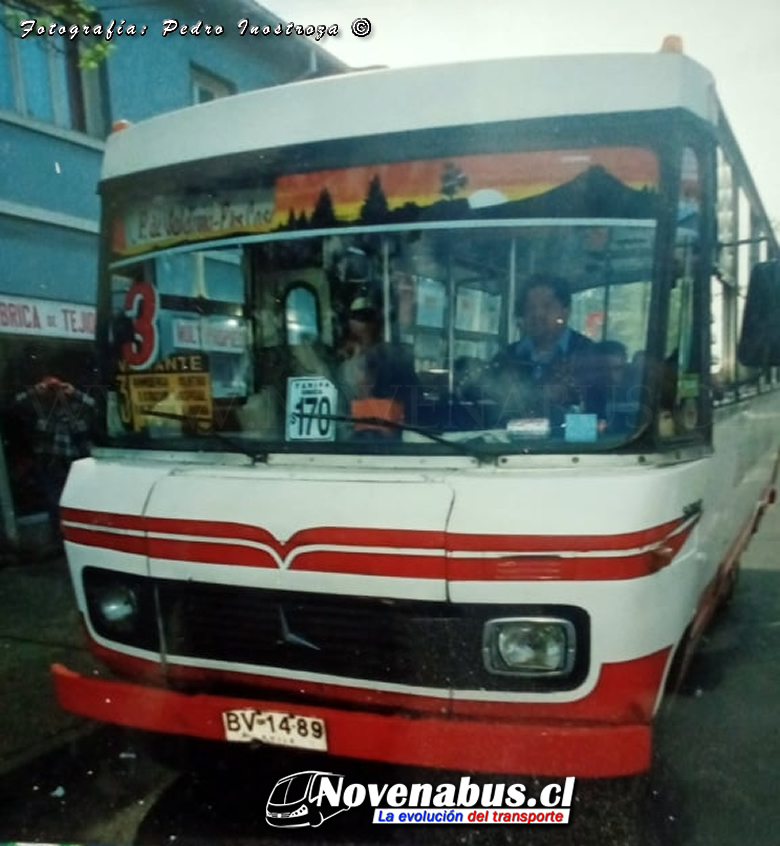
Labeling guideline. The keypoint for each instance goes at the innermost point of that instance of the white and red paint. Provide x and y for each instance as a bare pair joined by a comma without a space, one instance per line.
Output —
645,549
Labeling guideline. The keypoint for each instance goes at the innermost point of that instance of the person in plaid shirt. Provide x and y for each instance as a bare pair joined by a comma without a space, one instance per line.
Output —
61,418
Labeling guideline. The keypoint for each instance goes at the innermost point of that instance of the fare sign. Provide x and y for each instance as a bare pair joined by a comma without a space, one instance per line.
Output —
311,405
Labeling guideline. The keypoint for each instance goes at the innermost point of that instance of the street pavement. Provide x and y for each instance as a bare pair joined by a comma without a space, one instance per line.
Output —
38,626
718,740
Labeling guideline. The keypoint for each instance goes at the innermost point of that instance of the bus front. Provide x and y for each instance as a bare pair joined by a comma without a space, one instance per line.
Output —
344,498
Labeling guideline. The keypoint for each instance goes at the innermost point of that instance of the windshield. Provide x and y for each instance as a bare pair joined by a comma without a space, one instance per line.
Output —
290,790
420,318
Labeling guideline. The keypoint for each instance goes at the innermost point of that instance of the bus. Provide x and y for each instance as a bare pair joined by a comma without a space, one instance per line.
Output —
380,543
295,801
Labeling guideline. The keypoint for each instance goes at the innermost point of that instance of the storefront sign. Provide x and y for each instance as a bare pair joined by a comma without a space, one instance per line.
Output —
46,318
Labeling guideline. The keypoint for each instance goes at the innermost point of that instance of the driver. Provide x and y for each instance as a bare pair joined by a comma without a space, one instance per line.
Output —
551,360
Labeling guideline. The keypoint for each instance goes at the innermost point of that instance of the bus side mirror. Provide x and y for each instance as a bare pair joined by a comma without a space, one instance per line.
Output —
759,342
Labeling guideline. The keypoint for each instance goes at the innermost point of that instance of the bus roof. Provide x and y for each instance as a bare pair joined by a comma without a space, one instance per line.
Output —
376,102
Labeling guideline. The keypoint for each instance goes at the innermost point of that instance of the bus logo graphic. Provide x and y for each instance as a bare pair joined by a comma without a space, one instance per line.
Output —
289,636
298,801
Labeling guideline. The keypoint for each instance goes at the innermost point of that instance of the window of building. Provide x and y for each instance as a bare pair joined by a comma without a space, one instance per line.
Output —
43,79
206,86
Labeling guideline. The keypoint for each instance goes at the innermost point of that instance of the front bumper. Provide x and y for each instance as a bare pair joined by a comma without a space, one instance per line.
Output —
586,750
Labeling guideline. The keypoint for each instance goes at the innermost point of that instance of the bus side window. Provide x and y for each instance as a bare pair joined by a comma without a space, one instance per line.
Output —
680,411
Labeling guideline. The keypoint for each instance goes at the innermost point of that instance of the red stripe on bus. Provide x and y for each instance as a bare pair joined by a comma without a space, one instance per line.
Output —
718,588
346,562
211,550
596,568
152,672
134,544
372,564
206,552
559,543
624,691
352,536
547,746
216,530
544,748
110,520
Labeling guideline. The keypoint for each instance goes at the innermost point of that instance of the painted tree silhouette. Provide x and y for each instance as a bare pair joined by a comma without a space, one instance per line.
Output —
374,208
324,215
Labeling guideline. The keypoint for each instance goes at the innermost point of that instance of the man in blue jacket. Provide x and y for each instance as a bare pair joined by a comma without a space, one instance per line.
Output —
552,363
548,339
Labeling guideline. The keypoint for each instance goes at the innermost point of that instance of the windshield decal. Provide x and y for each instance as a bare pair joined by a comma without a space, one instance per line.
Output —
228,335
612,182
503,185
166,221
141,307
179,387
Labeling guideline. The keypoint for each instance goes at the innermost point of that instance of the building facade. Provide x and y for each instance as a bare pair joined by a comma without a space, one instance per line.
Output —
55,114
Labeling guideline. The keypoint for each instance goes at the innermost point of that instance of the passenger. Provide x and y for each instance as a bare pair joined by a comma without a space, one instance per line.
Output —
638,361
551,359
467,375
612,363
61,418
627,399
607,396
364,336
377,378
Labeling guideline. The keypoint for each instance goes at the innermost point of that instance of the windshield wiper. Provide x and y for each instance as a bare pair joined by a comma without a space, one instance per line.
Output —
235,443
463,447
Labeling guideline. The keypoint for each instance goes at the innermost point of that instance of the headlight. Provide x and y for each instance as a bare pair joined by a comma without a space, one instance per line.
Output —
117,606
121,607
529,646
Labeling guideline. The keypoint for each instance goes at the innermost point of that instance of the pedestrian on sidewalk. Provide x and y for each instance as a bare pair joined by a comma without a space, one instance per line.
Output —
61,418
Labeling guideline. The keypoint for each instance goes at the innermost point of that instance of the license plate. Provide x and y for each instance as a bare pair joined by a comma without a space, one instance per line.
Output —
247,725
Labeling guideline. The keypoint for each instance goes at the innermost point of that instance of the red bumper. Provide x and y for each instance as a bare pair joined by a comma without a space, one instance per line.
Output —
532,748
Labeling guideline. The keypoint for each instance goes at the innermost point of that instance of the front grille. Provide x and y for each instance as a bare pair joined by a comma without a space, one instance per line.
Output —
341,636
427,644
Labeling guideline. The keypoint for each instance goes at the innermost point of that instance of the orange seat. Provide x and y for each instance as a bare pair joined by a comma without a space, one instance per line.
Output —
382,409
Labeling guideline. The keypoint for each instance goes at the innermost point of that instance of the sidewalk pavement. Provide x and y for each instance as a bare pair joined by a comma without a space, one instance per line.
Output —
39,625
